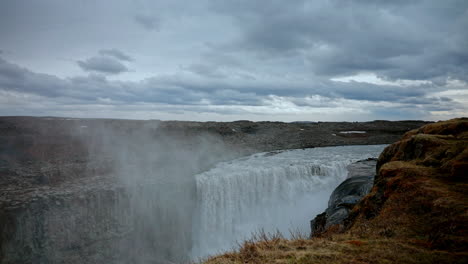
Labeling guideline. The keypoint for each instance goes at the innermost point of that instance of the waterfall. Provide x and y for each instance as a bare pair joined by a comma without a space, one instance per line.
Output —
277,191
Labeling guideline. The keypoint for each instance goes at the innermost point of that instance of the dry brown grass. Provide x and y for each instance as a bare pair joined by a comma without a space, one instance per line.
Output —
339,249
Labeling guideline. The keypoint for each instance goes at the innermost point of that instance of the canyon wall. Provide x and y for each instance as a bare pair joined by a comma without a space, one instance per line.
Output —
108,191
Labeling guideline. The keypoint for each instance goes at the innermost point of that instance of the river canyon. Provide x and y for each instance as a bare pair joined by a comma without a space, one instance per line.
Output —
111,191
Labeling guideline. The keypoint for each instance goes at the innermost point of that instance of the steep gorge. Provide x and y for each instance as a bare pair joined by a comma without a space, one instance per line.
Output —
83,191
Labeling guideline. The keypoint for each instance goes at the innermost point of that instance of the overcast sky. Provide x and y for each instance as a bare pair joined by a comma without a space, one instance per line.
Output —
223,60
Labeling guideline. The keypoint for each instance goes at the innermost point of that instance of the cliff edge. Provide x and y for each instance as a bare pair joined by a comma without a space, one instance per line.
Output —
416,212
420,191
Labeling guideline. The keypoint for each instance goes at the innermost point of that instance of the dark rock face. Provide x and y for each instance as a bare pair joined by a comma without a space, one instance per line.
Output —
358,184
317,225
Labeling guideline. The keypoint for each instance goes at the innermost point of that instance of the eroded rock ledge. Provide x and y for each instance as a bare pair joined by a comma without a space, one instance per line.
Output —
359,182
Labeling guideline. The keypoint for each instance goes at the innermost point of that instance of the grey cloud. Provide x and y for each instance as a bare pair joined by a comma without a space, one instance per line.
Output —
210,71
148,22
15,78
383,93
239,54
102,64
396,39
116,54
412,39
184,90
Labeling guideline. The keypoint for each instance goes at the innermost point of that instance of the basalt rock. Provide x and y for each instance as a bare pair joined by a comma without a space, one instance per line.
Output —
346,196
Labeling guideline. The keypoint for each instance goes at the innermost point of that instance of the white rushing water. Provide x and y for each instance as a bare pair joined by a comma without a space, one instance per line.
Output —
268,191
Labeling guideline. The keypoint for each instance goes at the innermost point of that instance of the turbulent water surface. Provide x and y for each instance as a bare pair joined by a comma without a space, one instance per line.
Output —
267,191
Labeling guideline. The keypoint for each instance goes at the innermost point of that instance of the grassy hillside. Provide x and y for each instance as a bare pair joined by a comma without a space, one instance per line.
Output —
417,211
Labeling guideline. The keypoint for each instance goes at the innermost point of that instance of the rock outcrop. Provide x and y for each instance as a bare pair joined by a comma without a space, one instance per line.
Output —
358,184
432,153
420,190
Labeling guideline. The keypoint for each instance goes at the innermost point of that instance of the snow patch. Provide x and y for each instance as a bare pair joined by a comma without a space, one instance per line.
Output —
353,132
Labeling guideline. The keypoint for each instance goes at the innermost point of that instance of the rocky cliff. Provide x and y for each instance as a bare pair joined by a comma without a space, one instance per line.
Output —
420,190
343,199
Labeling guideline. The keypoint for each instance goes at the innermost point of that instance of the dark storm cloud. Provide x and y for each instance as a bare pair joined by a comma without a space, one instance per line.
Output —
116,54
102,64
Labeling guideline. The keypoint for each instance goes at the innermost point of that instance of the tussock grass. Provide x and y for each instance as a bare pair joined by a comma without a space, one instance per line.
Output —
340,248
